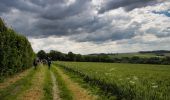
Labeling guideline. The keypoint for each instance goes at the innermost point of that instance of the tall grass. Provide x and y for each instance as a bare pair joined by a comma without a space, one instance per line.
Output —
126,81
14,90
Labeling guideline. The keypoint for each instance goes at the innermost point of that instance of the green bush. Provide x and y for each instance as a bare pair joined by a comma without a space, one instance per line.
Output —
16,53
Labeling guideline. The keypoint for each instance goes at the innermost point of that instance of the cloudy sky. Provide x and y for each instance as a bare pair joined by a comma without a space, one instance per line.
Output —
91,26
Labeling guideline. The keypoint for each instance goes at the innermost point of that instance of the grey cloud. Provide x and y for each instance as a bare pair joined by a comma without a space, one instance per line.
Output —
76,20
159,33
22,5
60,11
126,4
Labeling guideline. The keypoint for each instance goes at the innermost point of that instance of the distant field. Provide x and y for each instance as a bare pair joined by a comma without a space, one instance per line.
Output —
142,55
167,54
128,81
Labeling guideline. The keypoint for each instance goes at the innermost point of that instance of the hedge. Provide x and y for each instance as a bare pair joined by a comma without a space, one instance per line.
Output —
16,53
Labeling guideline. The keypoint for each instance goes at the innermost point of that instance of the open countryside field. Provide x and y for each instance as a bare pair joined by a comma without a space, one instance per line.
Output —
141,55
111,81
125,81
84,50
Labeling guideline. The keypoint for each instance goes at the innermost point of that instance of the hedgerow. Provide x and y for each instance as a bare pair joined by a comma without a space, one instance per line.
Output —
16,53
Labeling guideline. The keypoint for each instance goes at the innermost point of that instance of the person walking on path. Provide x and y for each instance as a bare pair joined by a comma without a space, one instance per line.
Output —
35,63
49,63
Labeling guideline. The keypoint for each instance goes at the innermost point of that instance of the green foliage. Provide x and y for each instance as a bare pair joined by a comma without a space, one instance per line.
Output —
41,54
2,26
16,53
126,81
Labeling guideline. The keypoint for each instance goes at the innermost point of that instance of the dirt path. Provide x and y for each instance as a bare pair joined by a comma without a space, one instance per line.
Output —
36,90
7,82
55,87
78,92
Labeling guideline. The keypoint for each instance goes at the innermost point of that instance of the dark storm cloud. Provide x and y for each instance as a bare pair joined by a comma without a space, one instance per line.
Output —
77,20
110,33
126,4
22,5
60,10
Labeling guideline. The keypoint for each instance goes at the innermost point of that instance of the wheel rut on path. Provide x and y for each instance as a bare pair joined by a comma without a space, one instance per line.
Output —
79,93
55,87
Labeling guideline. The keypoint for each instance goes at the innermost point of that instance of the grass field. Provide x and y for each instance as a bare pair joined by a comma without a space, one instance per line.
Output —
141,55
125,81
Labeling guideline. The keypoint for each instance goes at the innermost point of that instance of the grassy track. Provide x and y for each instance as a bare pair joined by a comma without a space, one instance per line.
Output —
48,85
64,92
55,87
93,89
11,80
11,92
35,92
78,92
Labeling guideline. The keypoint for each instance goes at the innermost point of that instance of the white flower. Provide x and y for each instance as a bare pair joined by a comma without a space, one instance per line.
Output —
155,86
112,69
132,82
153,83
120,79
135,77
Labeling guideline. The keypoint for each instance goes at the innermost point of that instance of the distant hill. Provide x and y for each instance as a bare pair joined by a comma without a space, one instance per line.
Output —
143,54
156,51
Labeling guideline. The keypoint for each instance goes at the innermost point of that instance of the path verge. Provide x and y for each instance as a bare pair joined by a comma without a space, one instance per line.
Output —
79,93
11,80
36,91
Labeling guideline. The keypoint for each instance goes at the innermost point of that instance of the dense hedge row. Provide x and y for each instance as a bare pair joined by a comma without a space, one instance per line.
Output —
16,53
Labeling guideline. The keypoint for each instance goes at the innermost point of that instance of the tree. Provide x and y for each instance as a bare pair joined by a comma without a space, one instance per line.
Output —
71,56
2,26
41,54
56,55
78,57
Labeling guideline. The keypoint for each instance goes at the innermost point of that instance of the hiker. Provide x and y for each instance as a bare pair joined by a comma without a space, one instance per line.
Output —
35,64
49,63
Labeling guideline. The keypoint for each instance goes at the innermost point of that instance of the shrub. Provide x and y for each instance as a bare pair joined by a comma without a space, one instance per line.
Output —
16,53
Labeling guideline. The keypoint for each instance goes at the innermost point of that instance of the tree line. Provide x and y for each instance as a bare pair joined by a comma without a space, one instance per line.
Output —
56,55
16,53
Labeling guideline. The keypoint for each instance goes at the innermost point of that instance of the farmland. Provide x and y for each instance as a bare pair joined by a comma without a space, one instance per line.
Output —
125,81
85,50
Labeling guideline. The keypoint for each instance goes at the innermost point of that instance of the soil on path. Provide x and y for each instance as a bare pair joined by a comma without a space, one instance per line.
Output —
36,90
11,80
55,87
79,93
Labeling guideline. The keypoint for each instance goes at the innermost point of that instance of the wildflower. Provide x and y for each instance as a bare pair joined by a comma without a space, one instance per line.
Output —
107,73
153,83
155,86
112,69
132,82
120,79
135,77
